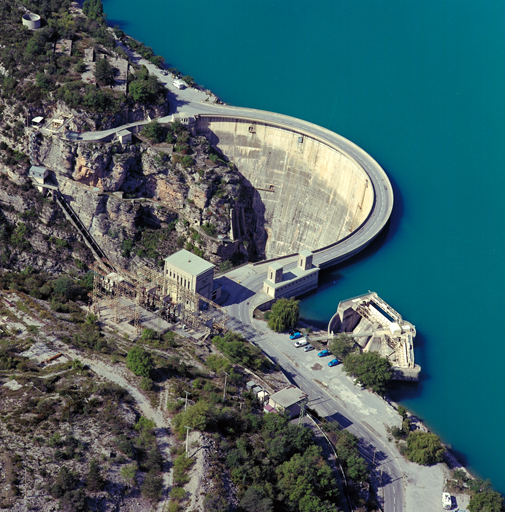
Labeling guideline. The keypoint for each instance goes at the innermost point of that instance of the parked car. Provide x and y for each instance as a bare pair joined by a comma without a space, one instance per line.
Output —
300,343
308,348
334,362
323,353
295,335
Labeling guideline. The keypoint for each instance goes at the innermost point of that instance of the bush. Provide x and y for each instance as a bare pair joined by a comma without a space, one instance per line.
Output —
152,486
285,313
140,362
487,501
146,384
371,369
424,448
154,132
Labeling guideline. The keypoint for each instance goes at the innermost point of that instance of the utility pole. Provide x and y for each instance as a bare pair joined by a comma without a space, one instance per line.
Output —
302,412
186,404
225,380
373,462
187,439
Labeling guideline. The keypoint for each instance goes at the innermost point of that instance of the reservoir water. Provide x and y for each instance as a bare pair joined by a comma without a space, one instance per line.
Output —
421,87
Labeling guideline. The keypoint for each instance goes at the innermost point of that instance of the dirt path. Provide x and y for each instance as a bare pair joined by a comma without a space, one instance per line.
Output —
119,375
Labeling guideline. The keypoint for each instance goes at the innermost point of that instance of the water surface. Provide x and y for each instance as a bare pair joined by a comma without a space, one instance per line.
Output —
420,86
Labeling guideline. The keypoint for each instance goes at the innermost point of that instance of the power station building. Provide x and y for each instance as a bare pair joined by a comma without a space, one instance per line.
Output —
193,273
303,278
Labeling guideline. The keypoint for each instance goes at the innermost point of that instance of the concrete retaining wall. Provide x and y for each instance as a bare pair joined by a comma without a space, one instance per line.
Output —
309,195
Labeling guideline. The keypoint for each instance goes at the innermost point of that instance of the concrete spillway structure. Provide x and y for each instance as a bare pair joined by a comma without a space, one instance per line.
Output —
311,192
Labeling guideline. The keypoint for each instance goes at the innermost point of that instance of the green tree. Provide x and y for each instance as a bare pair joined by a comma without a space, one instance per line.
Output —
94,480
370,369
73,501
255,500
93,9
487,501
139,361
152,486
154,131
43,81
129,473
65,481
357,468
424,448
342,345
196,416
306,474
104,72
146,88
80,67
285,313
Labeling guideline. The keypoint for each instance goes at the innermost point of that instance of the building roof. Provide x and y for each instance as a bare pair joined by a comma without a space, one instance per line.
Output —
37,119
306,253
189,262
122,133
288,396
37,170
275,266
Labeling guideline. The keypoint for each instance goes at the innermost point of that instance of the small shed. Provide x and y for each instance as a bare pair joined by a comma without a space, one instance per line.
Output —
251,384
124,136
39,174
37,121
288,400
256,390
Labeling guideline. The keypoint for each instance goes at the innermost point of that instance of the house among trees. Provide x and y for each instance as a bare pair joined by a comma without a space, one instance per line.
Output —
288,400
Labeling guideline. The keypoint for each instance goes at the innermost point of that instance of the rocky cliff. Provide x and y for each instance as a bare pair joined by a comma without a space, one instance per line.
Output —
139,200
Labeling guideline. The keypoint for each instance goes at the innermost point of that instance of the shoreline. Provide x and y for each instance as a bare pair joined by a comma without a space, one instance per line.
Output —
201,89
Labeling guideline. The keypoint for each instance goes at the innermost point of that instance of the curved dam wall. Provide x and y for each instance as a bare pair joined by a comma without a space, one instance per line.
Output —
308,193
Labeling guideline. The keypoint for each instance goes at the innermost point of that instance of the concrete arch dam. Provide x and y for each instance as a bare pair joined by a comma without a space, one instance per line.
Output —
314,189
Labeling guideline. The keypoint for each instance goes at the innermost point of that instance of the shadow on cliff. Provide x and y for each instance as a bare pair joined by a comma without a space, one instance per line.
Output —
249,210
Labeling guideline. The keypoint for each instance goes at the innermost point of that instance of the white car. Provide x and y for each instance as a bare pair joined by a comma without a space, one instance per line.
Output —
300,343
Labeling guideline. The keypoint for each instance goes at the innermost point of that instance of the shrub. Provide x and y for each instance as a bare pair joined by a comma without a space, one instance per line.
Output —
424,448
139,361
152,486
146,384
285,313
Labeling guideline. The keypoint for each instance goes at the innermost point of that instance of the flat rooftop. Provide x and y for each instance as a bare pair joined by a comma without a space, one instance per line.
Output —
288,396
293,274
189,262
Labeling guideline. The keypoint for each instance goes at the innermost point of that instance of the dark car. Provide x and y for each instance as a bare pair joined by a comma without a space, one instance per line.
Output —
334,362
323,353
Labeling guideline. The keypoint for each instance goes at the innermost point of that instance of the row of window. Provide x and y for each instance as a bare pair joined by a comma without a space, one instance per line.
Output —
186,283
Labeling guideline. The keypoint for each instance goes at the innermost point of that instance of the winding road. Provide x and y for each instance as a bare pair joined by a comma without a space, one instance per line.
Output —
332,393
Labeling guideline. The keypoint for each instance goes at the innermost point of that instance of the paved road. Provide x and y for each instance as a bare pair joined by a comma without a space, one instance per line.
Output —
362,412
199,103
244,286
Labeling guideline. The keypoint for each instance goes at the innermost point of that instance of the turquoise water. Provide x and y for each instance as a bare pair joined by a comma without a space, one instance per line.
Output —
420,86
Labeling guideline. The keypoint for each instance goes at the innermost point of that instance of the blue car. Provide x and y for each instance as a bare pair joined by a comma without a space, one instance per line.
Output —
334,362
295,335
324,353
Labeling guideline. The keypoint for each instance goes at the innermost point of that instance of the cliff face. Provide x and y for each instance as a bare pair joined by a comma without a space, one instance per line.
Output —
124,195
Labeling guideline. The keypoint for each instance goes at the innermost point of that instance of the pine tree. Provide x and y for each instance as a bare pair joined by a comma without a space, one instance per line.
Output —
94,480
